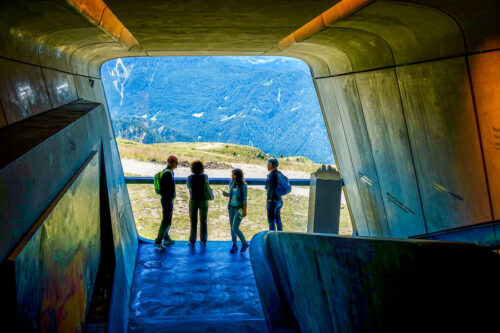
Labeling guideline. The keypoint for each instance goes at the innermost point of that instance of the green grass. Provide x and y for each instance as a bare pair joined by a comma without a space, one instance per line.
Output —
147,212
209,152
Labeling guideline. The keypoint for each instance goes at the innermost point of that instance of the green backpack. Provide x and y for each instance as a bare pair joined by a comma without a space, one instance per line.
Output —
157,179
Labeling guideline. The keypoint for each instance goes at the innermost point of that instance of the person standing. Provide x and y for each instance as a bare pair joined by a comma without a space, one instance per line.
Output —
237,208
198,188
167,192
274,201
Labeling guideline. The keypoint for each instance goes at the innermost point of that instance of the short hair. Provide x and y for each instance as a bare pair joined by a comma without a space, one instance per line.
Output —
274,162
197,167
172,159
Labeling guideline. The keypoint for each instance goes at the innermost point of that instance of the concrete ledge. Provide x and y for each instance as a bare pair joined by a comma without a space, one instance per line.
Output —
357,284
277,313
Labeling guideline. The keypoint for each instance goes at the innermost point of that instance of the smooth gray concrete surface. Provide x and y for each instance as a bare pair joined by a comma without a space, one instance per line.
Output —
22,90
386,126
50,277
342,156
445,142
29,183
279,317
409,35
360,284
359,146
201,289
365,50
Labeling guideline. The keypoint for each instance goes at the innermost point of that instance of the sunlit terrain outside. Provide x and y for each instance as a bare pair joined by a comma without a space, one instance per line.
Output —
228,112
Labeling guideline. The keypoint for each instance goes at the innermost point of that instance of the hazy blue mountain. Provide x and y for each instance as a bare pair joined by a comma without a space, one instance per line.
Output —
266,102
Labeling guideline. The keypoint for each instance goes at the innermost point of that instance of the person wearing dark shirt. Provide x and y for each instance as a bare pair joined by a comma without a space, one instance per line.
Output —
167,192
274,202
198,202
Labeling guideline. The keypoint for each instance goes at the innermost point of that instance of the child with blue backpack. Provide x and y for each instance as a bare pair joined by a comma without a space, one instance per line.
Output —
277,185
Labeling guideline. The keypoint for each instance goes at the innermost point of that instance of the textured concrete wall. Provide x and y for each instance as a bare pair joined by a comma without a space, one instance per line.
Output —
47,151
358,284
413,119
50,55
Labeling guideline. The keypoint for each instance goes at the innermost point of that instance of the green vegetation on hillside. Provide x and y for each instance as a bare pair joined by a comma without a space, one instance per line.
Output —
208,152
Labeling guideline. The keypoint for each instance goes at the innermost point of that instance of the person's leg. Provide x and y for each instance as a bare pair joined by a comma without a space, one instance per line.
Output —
167,210
193,216
232,213
203,221
236,227
270,214
277,216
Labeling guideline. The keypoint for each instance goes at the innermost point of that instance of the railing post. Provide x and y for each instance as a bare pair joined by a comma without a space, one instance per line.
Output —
324,201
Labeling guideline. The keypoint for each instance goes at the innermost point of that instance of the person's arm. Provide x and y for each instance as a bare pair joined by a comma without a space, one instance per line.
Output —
227,194
188,183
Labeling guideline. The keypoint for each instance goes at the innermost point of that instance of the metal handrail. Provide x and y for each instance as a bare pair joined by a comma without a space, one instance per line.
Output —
216,181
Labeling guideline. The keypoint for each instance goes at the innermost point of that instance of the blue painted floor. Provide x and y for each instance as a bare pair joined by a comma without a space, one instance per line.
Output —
205,289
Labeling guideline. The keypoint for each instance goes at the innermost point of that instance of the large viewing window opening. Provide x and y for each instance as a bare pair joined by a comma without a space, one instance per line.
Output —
227,112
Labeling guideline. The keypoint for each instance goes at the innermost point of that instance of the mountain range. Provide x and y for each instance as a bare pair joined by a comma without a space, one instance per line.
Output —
265,102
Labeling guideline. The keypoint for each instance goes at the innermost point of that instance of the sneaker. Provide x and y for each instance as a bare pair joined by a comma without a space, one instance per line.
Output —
160,246
244,247
191,244
234,248
168,242
203,243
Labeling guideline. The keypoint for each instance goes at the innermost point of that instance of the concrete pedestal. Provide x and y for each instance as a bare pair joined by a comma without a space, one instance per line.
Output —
324,201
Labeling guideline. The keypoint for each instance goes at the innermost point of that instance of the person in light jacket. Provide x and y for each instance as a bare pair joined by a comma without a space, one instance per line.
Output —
237,208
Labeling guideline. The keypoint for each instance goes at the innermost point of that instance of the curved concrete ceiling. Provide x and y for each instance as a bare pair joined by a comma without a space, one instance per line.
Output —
408,88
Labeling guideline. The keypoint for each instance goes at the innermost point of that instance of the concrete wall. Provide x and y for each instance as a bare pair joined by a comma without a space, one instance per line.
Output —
50,57
324,283
409,92
47,151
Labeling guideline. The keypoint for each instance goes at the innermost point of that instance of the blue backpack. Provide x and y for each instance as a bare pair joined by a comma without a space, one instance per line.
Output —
283,186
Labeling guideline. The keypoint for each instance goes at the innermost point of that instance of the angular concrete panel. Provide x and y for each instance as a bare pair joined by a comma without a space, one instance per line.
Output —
478,19
55,265
365,50
358,284
443,135
22,90
57,48
83,87
61,87
331,112
383,113
359,145
408,30
336,60
99,95
485,74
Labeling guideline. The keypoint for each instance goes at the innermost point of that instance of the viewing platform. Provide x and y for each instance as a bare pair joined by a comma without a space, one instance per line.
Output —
200,289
